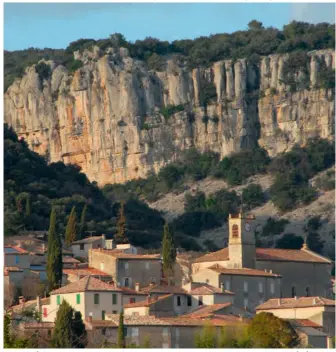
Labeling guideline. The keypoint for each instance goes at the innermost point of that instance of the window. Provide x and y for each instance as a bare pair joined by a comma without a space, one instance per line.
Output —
135,332
272,288
98,245
96,298
227,285
152,280
126,282
165,332
78,298
200,300
103,314
165,345
126,265
45,312
177,333
102,266
245,302
245,286
114,298
104,331
58,300
147,265
261,301
81,247
189,301
235,231
261,287
114,312
293,291
49,333
17,259
132,300
307,292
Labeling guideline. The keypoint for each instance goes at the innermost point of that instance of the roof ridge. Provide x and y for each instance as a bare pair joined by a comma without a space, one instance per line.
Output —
316,254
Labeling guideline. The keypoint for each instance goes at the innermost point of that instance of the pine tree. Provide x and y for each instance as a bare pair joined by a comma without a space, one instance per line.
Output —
62,336
82,224
121,332
120,236
28,205
168,252
54,259
79,335
70,231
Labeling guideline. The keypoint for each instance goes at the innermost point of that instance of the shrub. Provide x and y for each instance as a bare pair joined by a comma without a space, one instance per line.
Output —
223,203
74,65
43,70
289,241
274,227
253,196
169,110
194,202
171,174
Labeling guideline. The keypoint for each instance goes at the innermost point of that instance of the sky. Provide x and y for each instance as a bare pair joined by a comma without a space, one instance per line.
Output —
55,25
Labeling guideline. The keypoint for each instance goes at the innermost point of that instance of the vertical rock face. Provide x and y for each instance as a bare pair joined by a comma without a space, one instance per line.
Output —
108,117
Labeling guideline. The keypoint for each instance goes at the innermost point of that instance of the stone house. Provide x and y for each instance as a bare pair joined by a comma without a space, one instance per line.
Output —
90,296
318,310
17,257
303,272
125,268
81,248
75,274
41,332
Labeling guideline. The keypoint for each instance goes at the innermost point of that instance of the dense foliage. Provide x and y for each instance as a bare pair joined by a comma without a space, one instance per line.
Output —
168,252
289,241
274,227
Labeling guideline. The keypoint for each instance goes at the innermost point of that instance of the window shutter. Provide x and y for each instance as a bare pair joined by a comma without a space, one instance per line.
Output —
78,298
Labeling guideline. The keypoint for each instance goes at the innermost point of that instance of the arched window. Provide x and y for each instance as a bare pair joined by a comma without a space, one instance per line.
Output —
235,231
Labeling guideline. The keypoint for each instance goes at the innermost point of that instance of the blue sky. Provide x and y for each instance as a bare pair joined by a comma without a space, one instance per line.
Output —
55,25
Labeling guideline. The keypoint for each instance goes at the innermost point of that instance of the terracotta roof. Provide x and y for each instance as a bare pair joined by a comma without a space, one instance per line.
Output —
12,268
304,323
15,250
206,289
269,254
242,271
41,325
87,240
120,254
28,304
147,302
88,283
310,331
164,289
129,291
208,310
300,302
70,260
137,320
217,320
85,272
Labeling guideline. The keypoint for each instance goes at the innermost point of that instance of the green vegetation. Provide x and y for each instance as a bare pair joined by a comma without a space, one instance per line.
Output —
274,227
120,236
10,340
43,70
326,182
54,257
121,332
82,225
208,93
289,241
253,196
168,252
169,110
70,230
313,239
69,331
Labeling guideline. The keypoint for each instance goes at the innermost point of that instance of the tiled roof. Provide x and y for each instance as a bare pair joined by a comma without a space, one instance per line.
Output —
137,320
208,310
216,320
14,250
304,322
117,253
12,268
242,271
88,283
269,254
163,289
310,331
129,291
88,240
40,325
70,260
28,304
300,302
85,272
147,302
206,289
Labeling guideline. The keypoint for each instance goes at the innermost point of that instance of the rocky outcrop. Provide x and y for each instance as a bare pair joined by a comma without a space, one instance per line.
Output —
108,117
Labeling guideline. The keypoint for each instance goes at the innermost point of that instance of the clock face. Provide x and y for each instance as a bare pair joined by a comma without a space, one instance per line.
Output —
247,227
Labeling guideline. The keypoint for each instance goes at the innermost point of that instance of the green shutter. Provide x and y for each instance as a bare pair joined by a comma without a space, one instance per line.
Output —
114,298
58,300
96,298
78,298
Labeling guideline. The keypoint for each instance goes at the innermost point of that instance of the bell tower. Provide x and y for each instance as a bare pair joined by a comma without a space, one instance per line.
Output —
242,252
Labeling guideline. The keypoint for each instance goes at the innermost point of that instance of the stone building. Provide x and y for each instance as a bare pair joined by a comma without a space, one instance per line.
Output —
81,248
303,272
125,268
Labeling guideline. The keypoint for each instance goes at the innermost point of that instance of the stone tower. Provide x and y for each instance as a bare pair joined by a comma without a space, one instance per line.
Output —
242,251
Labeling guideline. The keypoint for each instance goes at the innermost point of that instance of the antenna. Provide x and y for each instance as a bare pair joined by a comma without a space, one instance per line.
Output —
90,232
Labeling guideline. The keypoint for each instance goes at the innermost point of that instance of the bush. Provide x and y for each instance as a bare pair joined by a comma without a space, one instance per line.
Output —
171,174
169,110
289,241
194,202
43,70
74,65
253,196
222,203
274,227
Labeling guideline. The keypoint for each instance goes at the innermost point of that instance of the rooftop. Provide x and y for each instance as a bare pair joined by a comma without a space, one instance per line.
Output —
242,271
88,240
208,310
86,284
85,272
137,320
163,289
28,304
14,250
117,253
206,289
39,325
269,254
299,302
70,260
147,302
304,323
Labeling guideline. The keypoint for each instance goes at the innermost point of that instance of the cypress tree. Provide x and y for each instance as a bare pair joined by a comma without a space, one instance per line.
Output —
120,236
28,205
62,336
82,224
79,335
54,259
168,252
70,231
121,332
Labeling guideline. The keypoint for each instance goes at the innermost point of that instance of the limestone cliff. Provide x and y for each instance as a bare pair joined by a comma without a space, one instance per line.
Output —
107,116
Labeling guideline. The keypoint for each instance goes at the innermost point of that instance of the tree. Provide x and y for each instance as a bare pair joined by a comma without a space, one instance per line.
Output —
121,332
82,224
62,335
10,341
254,24
207,338
314,242
168,252
70,231
54,258
268,331
28,205
289,241
78,331
120,236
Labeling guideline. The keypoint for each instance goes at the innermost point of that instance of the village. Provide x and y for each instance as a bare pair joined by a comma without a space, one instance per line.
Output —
103,279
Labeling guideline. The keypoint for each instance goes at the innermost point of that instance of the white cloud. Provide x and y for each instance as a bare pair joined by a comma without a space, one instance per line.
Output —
313,12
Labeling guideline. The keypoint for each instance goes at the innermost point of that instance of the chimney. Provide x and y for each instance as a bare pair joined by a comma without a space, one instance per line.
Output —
137,286
21,299
222,287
